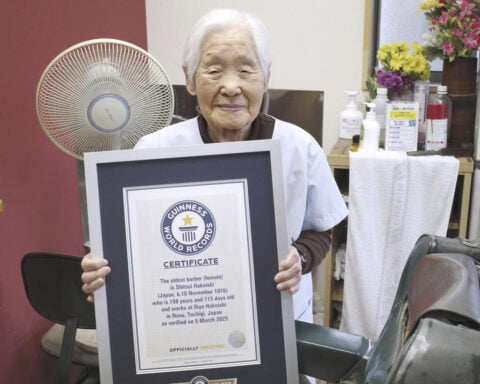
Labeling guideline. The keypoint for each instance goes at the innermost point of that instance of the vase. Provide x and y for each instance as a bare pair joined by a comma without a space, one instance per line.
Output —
460,77
405,96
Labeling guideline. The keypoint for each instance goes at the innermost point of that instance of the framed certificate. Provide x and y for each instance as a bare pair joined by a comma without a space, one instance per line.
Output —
194,236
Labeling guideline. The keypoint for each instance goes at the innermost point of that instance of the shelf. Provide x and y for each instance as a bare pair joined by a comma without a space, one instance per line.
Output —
339,158
337,290
339,162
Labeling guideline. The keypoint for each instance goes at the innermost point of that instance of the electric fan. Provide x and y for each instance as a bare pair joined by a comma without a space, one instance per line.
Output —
103,94
99,95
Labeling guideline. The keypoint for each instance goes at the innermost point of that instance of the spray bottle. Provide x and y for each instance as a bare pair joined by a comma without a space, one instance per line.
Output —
381,101
370,130
350,118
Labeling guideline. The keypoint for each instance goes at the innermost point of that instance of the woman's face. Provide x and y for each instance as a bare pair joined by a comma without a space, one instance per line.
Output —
229,82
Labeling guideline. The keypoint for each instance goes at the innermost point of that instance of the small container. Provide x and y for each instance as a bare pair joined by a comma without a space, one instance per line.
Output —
350,118
355,143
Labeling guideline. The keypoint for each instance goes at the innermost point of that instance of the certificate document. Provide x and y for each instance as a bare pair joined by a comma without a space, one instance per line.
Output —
194,236
191,277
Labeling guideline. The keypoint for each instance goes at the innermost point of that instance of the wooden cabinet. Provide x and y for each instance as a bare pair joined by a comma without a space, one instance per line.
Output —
338,159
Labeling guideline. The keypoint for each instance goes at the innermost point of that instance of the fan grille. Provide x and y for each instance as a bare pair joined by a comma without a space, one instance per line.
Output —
103,94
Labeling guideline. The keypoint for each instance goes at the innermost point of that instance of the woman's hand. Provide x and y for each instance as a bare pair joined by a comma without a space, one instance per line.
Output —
290,272
93,276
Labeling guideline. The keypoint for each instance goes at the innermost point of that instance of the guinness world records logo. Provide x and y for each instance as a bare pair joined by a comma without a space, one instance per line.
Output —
188,227
204,380
199,380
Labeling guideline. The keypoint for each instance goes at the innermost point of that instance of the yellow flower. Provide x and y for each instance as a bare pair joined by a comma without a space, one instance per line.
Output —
397,62
400,66
404,59
425,5
400,47
417,48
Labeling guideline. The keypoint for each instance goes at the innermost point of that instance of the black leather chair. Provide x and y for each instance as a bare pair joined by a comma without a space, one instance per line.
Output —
431,336
54,289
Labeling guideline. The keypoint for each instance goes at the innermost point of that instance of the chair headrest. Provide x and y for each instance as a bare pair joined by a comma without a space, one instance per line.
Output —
54,288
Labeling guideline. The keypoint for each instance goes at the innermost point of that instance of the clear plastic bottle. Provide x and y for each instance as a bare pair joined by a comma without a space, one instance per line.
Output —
420,95
439,112
350,118
381,101
370,131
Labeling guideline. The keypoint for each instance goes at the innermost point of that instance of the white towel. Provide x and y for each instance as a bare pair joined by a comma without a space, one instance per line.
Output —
393,200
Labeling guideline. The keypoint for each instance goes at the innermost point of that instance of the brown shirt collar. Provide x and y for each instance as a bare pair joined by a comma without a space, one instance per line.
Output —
262,128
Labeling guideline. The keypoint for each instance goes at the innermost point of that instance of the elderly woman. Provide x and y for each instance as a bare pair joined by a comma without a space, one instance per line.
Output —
227,67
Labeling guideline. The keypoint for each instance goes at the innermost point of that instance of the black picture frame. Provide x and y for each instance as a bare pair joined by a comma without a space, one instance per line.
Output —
259,163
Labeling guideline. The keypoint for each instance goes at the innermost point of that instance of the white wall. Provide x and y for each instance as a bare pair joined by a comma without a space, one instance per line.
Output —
316,44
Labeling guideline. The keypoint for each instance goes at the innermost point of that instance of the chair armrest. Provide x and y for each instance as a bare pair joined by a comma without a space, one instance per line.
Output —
329,354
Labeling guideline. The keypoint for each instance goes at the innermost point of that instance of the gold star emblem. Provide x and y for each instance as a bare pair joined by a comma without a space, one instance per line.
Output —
187,220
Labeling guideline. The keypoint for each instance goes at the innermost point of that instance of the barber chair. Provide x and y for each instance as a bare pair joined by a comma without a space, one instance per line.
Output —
54,289
431,336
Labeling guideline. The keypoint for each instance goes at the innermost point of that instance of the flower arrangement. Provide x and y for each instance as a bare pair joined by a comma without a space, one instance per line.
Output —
400,65
454,28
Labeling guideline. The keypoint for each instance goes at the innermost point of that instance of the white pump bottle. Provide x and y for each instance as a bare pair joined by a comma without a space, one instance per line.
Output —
350,118
370,131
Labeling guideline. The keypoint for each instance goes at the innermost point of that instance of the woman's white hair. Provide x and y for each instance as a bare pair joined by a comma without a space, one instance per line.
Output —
223,19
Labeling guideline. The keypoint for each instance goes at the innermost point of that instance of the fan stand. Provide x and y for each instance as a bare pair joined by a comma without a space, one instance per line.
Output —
82,194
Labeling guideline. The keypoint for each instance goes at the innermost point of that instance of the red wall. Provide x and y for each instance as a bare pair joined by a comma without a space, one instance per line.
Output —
38,182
